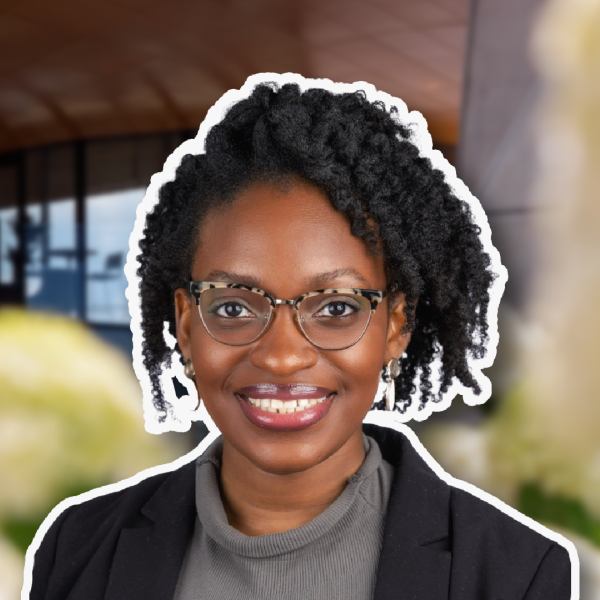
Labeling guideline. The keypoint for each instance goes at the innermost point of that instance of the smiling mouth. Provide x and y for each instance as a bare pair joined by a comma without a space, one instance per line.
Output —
284,407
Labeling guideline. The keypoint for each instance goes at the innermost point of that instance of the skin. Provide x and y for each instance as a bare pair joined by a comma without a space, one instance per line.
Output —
281,238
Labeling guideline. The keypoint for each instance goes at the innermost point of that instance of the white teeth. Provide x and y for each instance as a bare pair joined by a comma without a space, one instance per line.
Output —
284,407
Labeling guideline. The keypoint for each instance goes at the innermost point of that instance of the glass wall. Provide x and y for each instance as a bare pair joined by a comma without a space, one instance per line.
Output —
52,269
118,172
8,225
75,207
110,219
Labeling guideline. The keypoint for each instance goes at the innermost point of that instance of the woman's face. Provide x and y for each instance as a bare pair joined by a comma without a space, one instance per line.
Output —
287,240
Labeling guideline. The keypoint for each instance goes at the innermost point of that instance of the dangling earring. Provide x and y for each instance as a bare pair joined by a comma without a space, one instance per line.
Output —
393,372
190,373
188,370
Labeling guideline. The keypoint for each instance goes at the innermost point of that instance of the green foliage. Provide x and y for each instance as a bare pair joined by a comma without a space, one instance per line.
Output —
21,531
489,408
557,510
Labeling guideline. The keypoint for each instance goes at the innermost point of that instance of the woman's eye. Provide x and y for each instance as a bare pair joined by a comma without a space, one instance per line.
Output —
233,310
336,308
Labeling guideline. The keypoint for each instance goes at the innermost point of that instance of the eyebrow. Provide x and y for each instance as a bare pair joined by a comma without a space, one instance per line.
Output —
317,282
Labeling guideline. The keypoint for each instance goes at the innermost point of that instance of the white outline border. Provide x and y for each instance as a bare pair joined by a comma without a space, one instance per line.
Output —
181,411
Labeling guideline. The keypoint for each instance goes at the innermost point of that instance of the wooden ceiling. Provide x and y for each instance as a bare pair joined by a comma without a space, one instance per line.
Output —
73,69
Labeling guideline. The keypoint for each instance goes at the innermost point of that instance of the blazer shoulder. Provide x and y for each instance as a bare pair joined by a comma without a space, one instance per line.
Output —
123,505
518,558
477,518
81,529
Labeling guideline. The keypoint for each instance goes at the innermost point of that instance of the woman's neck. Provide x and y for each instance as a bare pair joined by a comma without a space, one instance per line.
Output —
257,502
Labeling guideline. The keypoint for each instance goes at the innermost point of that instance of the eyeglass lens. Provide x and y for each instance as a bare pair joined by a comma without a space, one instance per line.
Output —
331,321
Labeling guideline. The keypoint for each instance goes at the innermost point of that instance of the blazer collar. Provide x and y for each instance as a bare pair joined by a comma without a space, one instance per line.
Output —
415,559
148,557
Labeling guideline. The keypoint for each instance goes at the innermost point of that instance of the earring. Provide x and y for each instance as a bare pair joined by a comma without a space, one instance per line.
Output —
188,370
393,372
190,373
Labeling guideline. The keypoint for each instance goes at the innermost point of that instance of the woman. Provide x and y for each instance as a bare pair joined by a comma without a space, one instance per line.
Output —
308,250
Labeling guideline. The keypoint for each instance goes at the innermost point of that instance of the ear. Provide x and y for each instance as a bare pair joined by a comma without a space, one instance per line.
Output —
396,341
183,317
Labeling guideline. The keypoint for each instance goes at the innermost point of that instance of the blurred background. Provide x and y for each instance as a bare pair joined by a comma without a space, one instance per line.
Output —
95,94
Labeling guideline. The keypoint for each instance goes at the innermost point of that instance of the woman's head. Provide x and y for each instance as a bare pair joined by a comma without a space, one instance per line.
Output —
285,239
279,146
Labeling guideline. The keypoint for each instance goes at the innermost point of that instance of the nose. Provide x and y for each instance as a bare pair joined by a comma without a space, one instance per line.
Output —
283,349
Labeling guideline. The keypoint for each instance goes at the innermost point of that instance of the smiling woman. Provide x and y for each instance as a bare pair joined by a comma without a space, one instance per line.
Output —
307,252
269,227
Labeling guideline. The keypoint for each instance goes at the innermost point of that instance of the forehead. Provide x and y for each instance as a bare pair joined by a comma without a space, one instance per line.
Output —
283,236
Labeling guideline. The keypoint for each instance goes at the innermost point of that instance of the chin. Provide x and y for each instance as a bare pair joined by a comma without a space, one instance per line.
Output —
286,456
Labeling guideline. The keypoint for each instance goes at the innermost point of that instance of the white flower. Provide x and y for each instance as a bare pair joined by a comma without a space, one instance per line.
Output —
12,564
70,413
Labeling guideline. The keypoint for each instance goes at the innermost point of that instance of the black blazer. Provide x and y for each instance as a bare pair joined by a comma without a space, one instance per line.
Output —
439,542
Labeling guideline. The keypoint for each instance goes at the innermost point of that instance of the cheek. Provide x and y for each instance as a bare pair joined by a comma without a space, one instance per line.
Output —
213,361
362,363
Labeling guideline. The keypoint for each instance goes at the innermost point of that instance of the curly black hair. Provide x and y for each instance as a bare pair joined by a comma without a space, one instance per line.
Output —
363,158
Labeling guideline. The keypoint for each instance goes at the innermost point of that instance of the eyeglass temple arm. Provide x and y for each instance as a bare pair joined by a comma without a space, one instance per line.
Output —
191,287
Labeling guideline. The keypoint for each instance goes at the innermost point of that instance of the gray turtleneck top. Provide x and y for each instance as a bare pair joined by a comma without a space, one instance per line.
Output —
334,556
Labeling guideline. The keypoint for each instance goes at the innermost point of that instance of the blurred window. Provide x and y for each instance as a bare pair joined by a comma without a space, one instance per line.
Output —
118,172
110,219
52,267
8,224
66,214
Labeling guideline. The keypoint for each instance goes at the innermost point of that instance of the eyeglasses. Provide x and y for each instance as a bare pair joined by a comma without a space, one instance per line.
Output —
331,319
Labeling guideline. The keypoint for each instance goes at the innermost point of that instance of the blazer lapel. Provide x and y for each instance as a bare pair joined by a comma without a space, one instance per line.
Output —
415,558
148,559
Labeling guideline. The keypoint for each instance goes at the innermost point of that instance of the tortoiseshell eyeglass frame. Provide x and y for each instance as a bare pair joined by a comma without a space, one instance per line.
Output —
375,297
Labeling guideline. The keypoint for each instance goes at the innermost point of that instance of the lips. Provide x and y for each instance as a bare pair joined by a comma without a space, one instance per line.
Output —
284,407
